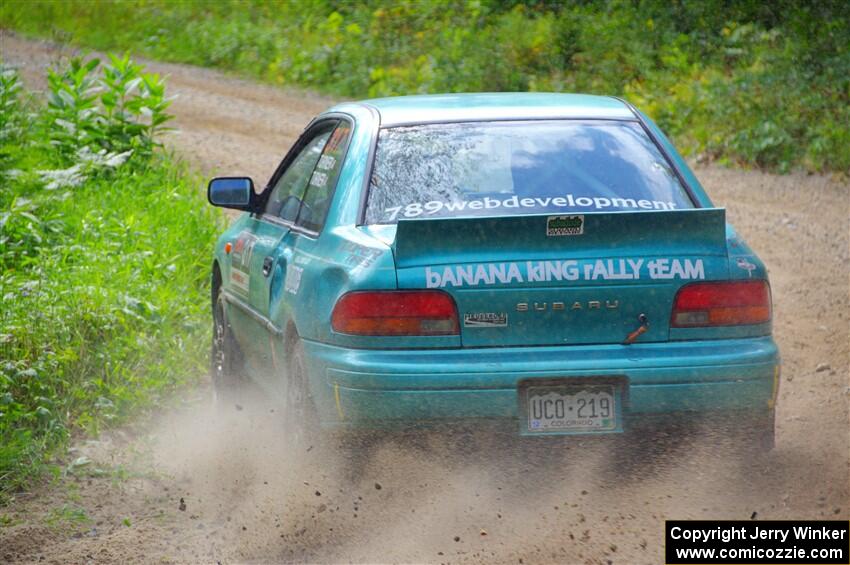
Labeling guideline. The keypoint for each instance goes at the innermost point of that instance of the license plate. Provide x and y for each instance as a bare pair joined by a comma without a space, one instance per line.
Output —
571,408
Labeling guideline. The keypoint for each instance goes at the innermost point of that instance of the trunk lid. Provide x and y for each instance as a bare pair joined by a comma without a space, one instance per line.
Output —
554,280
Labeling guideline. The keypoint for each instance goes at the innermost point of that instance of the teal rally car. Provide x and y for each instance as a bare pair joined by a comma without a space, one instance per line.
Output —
543,261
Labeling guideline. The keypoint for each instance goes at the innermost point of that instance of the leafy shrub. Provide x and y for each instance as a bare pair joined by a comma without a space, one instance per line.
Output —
102,261
764,84
121,111
10,88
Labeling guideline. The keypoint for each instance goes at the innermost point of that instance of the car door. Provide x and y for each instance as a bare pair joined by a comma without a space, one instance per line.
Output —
311,260
262,249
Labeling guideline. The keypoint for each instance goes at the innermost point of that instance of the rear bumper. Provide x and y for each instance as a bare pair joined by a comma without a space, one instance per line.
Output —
363,387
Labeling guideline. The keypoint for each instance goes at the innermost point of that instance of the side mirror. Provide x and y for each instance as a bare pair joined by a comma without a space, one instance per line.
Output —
232,192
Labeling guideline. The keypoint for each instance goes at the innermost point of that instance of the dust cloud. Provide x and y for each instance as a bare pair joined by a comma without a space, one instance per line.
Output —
439,495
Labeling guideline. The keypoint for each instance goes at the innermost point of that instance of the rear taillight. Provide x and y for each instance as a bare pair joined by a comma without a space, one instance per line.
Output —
426,312
732,303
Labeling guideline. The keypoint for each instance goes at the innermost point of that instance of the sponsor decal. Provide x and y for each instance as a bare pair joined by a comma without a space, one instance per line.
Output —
326,163
485,320
564,225
566,202
319,179
293,279
488,274
337,137
243,250
359,255
240,280
240,261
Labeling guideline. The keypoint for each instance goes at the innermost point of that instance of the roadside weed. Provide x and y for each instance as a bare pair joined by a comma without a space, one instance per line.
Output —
67,515
103,240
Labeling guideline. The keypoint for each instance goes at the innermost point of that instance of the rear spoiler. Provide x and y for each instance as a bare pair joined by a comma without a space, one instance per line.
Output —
700,231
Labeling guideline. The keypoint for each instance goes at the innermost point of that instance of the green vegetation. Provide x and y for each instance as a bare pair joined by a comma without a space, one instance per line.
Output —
104,244
68,515
757,83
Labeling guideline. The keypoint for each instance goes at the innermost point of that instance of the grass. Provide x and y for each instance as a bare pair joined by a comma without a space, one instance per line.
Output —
104,252
739,81
67,515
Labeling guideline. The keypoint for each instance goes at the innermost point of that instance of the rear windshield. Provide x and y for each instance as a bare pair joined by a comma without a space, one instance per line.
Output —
516,168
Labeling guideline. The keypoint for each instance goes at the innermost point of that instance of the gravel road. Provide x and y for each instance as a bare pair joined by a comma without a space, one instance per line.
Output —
198,484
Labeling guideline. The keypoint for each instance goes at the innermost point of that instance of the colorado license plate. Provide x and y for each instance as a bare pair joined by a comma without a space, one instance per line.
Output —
571,408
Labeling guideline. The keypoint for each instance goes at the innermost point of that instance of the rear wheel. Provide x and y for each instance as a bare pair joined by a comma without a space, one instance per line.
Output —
225,356
300,421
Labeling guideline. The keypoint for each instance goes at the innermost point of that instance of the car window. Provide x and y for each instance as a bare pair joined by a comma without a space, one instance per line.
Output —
320,189
514,168
285,198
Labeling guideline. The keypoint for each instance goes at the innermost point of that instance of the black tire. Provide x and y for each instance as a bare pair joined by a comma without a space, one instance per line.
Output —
225,356
300,420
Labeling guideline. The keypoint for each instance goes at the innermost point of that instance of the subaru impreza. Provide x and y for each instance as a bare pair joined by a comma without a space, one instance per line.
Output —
548,262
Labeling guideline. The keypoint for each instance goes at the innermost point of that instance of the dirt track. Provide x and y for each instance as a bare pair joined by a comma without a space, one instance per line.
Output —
245,500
